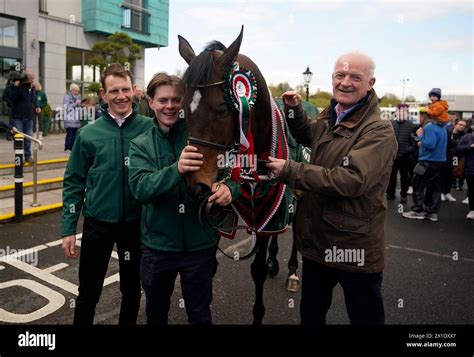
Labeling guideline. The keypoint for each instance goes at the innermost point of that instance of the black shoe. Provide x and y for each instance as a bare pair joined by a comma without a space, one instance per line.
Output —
9,138
29,160
403,200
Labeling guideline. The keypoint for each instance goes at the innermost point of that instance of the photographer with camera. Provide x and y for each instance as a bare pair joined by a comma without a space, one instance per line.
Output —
21,97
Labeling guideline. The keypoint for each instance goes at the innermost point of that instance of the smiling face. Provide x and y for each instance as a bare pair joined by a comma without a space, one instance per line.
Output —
118,94
166,104
352,79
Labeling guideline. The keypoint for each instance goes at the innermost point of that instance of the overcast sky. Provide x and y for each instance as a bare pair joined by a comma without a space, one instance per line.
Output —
428,42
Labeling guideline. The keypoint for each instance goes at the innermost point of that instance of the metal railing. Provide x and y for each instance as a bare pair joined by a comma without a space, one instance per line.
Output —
19,150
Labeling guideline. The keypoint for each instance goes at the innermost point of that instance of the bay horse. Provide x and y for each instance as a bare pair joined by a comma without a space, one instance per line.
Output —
214,127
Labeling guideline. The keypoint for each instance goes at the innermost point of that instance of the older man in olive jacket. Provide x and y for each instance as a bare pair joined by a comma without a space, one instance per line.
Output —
340,225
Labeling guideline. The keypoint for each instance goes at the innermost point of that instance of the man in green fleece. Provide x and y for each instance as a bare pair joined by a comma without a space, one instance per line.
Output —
173,240
98,171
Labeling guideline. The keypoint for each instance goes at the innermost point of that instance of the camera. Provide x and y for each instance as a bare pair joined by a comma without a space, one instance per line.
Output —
22,77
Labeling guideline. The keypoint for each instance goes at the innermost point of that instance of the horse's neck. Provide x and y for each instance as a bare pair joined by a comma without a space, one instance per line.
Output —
262,130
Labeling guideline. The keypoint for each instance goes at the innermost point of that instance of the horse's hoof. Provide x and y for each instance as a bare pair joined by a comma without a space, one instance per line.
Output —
273,267
293,283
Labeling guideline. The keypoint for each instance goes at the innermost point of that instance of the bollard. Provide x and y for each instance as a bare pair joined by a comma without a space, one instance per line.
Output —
35,175
18,146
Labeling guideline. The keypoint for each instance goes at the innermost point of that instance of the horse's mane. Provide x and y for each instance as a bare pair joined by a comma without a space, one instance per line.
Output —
200,70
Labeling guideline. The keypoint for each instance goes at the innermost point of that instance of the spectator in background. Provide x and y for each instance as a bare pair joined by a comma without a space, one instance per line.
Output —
72,115
41,101
466,148
12,77
438,109
141,101
432,140
403,127
21,97
455,134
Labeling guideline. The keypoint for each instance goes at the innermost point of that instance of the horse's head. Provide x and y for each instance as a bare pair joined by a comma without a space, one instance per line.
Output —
211,123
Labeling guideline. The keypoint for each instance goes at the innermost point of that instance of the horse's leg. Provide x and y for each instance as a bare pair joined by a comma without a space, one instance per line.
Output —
259,275
293,281
272,261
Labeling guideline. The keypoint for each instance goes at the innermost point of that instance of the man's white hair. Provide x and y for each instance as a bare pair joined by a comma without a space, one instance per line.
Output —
74,86
362,56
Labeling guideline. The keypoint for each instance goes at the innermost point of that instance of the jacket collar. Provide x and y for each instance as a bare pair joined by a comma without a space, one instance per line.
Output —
356,115
105,113
177,128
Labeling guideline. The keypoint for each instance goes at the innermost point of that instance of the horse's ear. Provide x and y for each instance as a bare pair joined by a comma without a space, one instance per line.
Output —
185,49
229,55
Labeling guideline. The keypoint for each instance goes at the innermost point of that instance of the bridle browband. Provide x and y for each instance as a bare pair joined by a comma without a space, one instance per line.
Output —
207,85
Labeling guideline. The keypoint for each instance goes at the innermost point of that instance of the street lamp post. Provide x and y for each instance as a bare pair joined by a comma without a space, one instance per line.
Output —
404,80
307,75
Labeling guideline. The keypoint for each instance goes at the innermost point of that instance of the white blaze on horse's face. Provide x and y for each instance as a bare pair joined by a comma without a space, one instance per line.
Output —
196,99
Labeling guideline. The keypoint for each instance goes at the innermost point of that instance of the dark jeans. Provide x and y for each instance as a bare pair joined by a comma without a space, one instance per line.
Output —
70,138
98,239
404,165
470,191
362,294
158,273
446,177
427,189
25,126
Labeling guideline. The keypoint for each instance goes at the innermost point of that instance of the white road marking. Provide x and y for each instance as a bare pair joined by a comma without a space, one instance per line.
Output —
44,275
55,243
56,267
230,250
55,301
196,99
428,252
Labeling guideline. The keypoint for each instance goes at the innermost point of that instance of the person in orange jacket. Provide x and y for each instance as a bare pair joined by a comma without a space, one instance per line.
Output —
438,109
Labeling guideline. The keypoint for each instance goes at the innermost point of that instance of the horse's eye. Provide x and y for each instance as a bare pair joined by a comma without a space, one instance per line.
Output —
222,110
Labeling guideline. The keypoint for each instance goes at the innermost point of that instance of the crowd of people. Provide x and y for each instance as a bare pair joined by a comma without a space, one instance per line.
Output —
432,158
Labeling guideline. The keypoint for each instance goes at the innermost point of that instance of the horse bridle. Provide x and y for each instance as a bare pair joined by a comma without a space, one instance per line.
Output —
206,207
207,143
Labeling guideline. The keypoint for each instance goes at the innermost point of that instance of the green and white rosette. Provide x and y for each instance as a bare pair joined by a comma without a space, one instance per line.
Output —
241,95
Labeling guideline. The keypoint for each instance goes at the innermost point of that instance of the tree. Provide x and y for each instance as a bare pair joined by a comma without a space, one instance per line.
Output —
119,47
279,89
410,98
320,99
388,100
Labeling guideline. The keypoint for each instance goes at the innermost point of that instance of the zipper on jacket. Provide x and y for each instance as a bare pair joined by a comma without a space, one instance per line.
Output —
171,141
122,166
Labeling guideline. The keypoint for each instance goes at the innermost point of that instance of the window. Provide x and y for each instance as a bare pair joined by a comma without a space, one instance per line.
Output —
8,32
135,15
7,65
77,70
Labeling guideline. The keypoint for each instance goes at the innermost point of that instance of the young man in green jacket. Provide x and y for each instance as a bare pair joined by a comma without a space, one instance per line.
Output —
98,171
173,239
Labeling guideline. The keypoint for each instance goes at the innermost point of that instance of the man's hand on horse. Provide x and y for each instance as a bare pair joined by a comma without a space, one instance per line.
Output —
275,165
291,98
221,194
189,160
